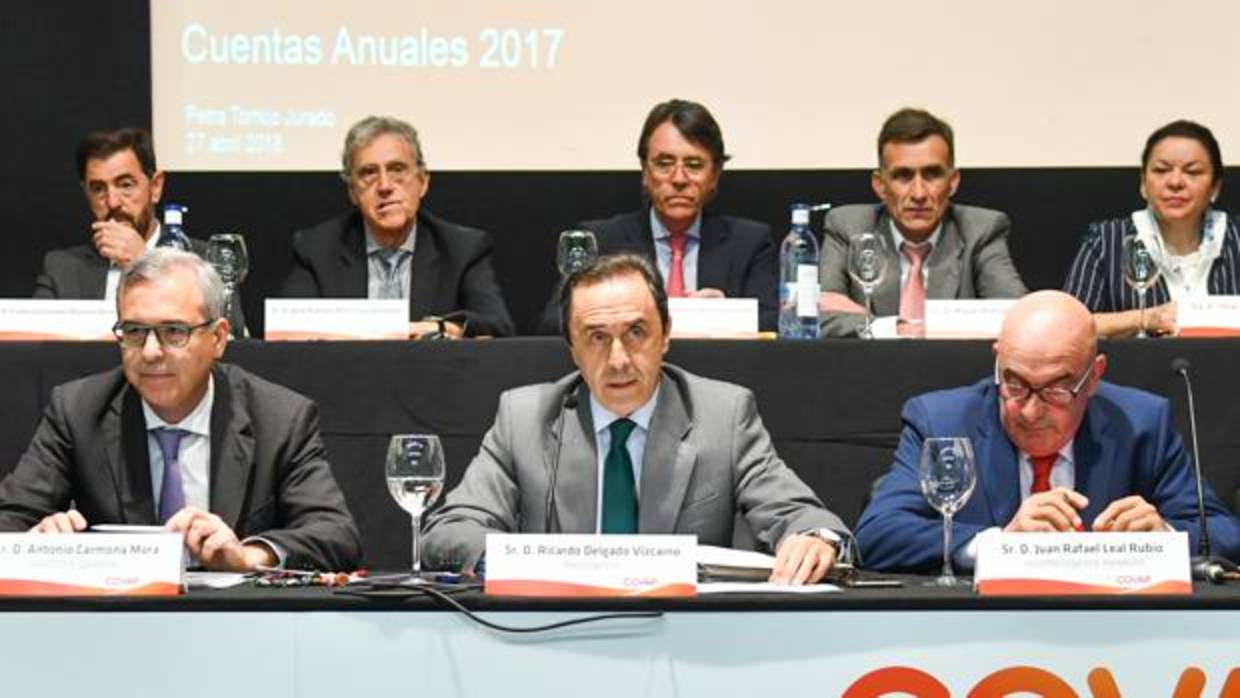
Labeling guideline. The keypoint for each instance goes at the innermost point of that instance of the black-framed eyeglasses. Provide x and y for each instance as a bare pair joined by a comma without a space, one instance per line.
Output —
133,335
1057,394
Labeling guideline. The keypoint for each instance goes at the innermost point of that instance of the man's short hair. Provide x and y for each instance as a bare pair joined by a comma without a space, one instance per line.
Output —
694,123
363,132
101,145
1183,128
159,262
911,125
610,267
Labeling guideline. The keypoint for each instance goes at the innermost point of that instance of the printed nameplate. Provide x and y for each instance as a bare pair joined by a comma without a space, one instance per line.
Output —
336,318
90,564
586,565
965,319
1082,563
1211,316
24,320
714,317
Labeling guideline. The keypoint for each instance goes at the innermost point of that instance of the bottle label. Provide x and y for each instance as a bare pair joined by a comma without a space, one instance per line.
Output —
807,290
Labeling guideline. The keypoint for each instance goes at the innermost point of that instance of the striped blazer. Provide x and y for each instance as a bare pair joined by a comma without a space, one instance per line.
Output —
1097,273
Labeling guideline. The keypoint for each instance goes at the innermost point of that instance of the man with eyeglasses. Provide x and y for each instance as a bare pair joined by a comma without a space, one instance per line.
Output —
697,252
1057,449
174,437
122,185
389,246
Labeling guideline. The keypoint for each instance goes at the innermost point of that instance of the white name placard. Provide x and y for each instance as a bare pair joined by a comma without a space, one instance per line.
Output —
90,564
1082,563
336,318
966,319
587,565
1211,316
40,319
714,317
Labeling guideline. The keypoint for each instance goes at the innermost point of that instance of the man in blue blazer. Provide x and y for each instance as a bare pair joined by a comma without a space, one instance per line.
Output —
1057,449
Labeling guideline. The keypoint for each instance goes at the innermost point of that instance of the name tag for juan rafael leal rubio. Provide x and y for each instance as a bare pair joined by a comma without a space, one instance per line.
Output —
90,564
588,565
1083,563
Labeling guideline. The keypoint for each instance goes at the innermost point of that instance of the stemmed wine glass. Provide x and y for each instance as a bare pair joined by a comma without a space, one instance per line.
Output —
226,252
866,264
575,249
948,476
1141,272
415,473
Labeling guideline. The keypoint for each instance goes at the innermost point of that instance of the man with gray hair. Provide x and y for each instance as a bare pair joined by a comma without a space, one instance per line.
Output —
174,437
388,246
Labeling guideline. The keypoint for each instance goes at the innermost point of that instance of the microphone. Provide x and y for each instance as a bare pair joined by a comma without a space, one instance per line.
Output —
569,403
1204,566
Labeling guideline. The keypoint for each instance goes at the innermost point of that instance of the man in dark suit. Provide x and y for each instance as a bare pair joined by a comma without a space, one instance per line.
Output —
645,447
233,462
122,186
958,251
1057,449
696,252
389,247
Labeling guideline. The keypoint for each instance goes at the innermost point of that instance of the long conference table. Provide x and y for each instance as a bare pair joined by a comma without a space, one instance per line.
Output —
833,411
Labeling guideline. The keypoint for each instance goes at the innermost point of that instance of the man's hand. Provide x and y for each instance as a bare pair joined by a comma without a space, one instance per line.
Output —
1132,514
1050,511
215,544
706,293
1162,320
61,522
802,560
118,241
422,328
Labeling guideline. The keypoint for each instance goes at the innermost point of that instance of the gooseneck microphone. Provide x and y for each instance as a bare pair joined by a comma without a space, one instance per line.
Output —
569,403
1204,565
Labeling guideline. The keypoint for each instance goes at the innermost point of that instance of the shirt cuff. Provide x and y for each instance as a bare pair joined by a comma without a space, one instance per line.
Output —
281,555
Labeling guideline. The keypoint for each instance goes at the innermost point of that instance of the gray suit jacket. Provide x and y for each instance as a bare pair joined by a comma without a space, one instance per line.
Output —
971,260
708,462
269,474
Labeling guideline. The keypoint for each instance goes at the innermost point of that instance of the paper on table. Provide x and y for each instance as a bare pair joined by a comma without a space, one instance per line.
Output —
763,588
714,555
214,580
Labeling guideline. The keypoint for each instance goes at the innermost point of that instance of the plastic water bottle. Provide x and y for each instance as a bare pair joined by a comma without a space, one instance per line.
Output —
173,232
798,279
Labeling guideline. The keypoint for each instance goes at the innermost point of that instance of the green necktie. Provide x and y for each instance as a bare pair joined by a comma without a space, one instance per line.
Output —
619,489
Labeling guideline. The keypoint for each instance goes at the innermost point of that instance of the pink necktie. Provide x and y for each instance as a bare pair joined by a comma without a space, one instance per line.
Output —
676,274
913,297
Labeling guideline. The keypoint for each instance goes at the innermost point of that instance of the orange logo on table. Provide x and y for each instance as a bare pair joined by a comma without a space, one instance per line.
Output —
900,680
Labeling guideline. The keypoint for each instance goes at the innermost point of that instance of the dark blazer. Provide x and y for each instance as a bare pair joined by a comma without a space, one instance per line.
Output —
269,474
81,273
1097,273
451,270
970,260
736,256
708,465
1126,445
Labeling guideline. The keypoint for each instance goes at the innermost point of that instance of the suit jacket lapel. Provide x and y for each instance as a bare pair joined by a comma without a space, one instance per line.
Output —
425,271
232,454
887,295
129,458
1090,449
712,263
93,275
944,262
576,497
353,273
997,462
669,459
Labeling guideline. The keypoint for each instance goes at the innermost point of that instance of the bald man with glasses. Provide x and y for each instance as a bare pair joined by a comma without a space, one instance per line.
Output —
1057,449
174,437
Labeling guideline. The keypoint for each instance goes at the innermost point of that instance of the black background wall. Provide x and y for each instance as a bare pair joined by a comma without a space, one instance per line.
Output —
71,67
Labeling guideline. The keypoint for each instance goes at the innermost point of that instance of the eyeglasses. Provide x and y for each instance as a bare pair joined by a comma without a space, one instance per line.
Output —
398,173
1057,394
665,166
133,335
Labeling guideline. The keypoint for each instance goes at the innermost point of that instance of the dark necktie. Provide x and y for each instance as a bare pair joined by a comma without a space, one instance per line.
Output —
390,260
171,492
619,489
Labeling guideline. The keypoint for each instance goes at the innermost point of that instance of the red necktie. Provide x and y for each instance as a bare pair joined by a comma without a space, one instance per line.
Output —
676,274
913,296
1042,472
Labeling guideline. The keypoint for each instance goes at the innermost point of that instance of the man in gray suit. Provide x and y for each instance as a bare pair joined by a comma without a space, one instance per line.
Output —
630,445
958,251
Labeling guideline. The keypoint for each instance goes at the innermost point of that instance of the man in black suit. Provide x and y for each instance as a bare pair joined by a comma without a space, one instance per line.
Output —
122,186
389,247
209,450
697,253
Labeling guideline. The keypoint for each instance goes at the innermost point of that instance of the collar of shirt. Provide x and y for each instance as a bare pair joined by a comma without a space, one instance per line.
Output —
662,234
897,238
636,444
198,421
411,237
1063,472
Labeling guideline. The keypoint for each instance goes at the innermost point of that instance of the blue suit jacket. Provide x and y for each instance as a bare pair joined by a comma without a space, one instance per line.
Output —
1126,445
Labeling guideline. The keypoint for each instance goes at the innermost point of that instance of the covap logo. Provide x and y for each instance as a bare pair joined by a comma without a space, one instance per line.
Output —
1025,680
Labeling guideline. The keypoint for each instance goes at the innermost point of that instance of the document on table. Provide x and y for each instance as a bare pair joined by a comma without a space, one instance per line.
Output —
744,572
